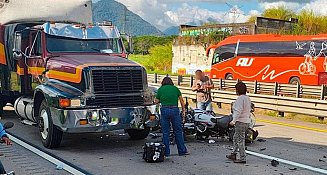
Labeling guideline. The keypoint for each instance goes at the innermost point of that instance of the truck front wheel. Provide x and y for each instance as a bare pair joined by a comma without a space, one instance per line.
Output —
138,134
50,135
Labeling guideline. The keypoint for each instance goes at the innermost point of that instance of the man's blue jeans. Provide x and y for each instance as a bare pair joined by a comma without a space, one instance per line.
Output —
2,169
171,115
207,106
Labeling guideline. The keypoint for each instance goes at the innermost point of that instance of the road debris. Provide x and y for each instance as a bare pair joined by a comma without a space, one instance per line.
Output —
261,140
211,141
324,157
274,163
320,160
59,167
293,168
262,149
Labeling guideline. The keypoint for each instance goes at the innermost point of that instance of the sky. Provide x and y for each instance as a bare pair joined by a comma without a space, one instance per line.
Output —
166,13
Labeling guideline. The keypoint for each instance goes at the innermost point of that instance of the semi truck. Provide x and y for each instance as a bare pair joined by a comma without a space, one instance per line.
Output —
65,74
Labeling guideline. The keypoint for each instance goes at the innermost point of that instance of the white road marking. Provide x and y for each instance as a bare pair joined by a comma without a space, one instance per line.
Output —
42,154
300,165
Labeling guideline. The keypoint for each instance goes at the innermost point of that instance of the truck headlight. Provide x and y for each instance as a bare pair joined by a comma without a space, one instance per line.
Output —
149,95
75,102
66,103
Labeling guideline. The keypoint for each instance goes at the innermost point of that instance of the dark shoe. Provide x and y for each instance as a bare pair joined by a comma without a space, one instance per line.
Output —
232,156
240,161
184,154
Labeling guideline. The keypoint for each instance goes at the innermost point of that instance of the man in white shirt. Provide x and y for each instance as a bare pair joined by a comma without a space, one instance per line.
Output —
241,120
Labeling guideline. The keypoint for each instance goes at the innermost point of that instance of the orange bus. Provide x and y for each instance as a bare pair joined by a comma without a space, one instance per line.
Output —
271,58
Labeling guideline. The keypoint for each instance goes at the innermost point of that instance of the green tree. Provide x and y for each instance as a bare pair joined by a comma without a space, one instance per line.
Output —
143,44
161,58
252,19
278,13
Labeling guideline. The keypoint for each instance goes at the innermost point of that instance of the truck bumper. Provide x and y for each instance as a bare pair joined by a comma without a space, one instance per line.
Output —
104,119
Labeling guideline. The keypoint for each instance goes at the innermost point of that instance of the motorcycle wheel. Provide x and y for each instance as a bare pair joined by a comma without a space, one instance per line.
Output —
201,136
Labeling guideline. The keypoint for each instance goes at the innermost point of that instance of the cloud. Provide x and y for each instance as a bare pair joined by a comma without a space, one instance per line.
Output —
152,11
290,5
294,1
167,13
318,7
160,13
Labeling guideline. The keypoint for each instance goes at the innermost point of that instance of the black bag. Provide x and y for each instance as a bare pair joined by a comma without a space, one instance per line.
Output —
154,152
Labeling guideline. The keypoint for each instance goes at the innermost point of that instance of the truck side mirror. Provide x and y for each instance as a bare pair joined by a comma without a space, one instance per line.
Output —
129,40
130,44
17,53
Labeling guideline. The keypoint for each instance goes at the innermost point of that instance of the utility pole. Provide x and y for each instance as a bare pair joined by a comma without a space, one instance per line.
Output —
235,11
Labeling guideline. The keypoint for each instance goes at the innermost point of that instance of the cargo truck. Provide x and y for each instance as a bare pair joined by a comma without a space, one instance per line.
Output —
65,74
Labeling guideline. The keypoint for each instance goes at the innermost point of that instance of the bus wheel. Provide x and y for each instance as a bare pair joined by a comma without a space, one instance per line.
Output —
229,77
295,80
50,135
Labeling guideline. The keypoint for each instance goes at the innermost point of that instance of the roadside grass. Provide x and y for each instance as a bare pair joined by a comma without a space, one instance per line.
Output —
144,60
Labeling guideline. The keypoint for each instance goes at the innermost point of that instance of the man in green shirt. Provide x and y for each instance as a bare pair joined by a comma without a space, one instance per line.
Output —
169,95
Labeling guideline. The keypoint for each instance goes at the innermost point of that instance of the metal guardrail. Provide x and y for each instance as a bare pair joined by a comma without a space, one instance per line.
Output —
277,101
254,87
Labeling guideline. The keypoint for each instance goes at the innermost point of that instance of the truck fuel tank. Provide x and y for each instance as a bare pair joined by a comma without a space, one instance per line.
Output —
24,108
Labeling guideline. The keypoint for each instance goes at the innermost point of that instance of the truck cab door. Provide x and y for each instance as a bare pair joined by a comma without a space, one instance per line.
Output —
35,61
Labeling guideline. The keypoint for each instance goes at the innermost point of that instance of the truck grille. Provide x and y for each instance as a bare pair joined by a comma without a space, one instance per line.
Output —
117,88
116,101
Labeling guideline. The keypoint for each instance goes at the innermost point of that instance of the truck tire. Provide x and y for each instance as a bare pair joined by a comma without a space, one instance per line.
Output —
50,135
138,134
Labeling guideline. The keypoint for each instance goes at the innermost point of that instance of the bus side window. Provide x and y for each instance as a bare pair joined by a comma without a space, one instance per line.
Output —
216,56
224,53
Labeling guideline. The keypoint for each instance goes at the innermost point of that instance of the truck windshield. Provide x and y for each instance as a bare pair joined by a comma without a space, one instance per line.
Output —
62,37
67,44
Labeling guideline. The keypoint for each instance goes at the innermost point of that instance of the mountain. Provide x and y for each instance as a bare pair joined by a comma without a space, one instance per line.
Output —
124,19
174,30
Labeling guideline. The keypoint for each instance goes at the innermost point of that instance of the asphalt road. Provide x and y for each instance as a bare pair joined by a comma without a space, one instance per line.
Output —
114,153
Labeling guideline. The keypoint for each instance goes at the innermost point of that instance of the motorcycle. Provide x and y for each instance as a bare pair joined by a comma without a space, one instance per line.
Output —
7,125
206,123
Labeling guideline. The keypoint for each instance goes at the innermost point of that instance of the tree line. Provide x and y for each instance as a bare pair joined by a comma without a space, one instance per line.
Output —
154,52
308,22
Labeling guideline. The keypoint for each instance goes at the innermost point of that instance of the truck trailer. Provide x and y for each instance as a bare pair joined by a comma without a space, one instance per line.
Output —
65,74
